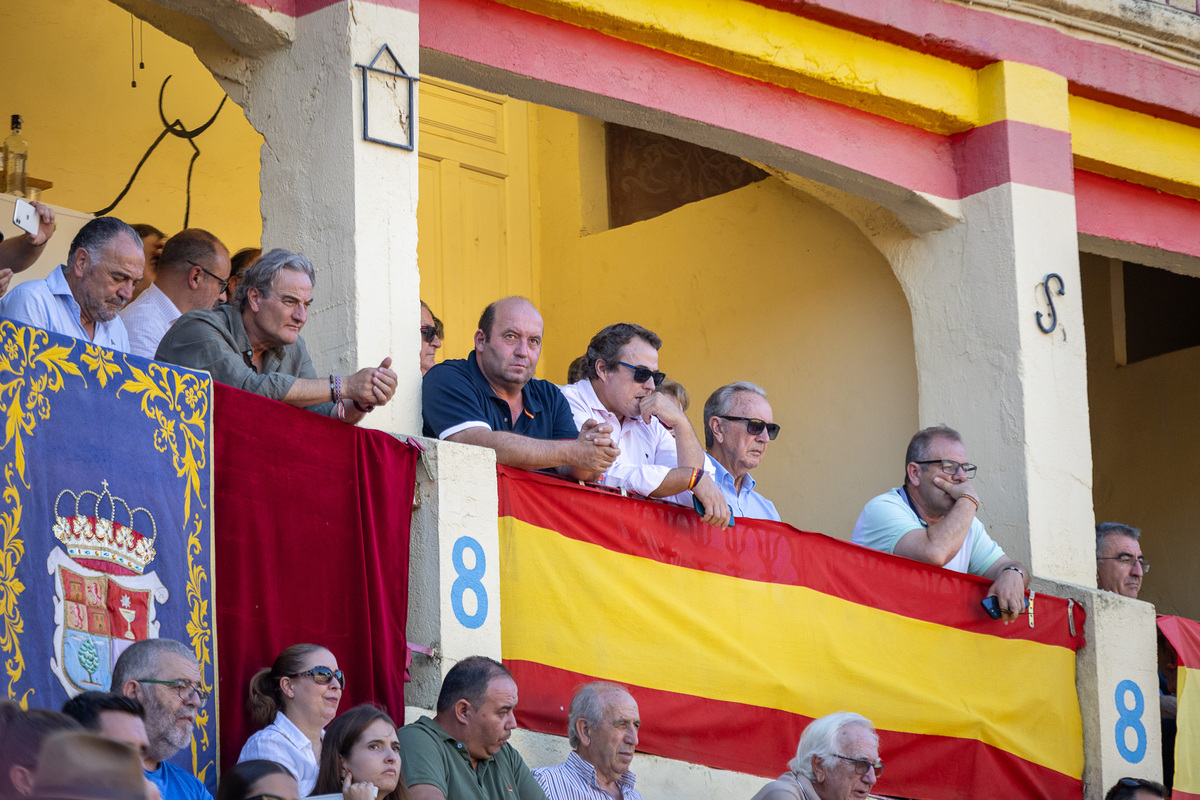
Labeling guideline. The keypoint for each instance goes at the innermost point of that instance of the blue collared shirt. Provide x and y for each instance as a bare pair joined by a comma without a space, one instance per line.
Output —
575,779
456,396
746,503
49,304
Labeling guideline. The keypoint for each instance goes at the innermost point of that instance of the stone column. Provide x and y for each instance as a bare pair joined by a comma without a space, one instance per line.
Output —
348,204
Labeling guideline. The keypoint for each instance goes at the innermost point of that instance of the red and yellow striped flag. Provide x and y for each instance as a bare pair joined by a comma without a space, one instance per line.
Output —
1184,636
733,641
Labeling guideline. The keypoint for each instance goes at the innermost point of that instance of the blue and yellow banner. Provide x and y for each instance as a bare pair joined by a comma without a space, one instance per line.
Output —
105,518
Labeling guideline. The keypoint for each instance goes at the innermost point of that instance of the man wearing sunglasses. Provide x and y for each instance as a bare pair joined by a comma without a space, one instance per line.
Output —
164,676
1136,789
491,399
431,337
193,274
620,374
1119,562
931,518
737,429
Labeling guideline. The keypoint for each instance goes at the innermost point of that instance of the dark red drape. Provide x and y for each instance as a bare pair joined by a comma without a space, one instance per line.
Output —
312,527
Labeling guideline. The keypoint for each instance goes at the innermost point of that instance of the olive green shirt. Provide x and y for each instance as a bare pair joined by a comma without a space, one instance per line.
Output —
432,756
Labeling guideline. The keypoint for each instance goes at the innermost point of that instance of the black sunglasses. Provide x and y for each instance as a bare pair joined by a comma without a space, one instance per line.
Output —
323,675
643,374
756,426
431,332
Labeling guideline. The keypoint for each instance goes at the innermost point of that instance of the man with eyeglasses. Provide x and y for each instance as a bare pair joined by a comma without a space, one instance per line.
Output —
931,518
431,337
491,399
737,429
620,374
837,759
164,676
193,274
1119,562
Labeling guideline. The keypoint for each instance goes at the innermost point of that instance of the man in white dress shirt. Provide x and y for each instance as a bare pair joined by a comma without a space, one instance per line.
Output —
620,373
193,274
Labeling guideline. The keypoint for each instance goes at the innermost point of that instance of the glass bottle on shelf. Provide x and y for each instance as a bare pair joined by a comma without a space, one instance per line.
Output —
16,154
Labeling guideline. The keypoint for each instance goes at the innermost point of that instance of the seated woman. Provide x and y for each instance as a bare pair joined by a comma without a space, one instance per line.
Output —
361,757
295,699
258,779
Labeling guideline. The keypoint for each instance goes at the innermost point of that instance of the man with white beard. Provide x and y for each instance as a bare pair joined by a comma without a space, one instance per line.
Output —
164,675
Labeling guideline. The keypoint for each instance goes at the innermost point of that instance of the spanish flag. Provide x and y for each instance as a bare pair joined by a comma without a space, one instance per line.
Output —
1184,636
733,641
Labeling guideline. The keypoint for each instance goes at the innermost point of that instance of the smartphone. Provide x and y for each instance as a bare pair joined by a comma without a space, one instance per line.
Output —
696,504
25,216
992,606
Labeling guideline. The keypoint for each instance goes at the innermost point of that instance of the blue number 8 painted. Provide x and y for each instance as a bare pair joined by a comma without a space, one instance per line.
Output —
469,580
1130,718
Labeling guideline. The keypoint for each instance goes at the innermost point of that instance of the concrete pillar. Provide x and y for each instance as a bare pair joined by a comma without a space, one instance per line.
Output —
1116,678
454,568
348,204
1018,395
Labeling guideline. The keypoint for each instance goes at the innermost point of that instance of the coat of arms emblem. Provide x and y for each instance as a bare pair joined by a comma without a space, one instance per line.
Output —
104,598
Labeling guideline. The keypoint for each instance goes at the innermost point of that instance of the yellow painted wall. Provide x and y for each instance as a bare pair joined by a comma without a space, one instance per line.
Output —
761,284
66,67
1146,463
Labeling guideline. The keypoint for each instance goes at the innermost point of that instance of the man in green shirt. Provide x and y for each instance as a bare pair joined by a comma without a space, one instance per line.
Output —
463,752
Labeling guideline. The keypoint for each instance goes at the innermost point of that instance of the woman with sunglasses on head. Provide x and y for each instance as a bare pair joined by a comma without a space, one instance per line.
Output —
258,779
361,757
294,698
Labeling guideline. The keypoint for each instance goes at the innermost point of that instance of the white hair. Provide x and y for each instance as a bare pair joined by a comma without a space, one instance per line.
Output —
820,739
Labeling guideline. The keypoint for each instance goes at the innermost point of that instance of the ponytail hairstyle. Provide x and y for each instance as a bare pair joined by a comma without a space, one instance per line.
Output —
266,698
339,740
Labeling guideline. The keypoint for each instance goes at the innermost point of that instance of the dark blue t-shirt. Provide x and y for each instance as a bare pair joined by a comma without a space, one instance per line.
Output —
455,396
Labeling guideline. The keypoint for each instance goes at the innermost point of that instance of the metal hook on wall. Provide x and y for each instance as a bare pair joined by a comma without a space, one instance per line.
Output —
1053,276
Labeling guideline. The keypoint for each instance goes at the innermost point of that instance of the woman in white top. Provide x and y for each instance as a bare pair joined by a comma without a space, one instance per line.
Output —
295,699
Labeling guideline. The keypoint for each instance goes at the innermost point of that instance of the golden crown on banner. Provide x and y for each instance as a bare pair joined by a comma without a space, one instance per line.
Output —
90,535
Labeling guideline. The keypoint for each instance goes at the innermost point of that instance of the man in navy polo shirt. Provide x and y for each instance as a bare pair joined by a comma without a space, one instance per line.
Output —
491,399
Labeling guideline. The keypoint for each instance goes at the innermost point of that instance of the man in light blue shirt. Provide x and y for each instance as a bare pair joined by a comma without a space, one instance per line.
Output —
602,728
82,297
931,518
738,427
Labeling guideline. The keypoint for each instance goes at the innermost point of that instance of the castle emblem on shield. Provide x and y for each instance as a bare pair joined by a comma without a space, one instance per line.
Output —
104,598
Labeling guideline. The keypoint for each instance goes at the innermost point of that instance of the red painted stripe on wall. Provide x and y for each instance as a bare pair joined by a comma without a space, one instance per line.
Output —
1013,152
683,727
300,8
772,552
526,44
977,37
1126,212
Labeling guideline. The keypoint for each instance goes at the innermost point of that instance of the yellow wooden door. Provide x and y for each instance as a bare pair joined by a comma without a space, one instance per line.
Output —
475,240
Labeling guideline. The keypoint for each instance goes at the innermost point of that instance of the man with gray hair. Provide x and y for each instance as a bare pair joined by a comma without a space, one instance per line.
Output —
193,273
254,344
837,759
620,375
602,728
1119,562
932,518
737,429
164,676
82,297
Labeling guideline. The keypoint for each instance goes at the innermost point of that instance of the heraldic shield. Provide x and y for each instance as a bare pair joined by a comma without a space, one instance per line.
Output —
104,599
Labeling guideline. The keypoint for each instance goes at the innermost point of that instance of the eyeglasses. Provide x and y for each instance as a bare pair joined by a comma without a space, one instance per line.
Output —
643,374
224,283
861,765
754,427
951,467
184,689
431,332
323,675
1127,560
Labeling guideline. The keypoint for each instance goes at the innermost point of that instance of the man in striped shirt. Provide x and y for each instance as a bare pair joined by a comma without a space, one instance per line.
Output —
602,727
